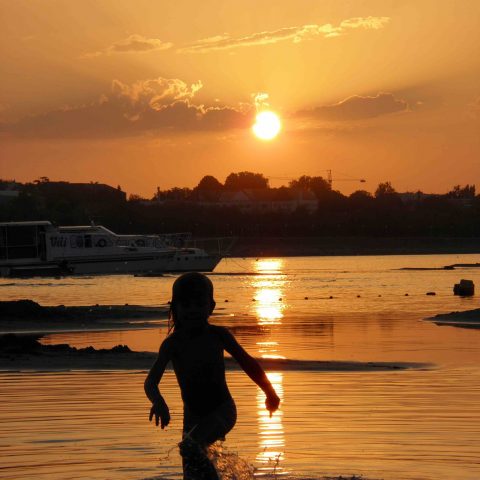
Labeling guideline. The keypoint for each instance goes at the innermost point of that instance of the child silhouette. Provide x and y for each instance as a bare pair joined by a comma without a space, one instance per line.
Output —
195,349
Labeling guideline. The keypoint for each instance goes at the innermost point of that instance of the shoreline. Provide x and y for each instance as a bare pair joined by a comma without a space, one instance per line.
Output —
29,316
459,319
351,245
19,353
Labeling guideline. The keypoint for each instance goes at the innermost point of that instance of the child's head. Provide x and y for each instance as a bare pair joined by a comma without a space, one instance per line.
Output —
192,300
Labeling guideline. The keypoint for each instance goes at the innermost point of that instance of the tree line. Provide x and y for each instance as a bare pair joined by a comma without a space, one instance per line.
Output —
383,213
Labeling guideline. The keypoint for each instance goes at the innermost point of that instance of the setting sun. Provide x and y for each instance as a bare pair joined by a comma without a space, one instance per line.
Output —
267,125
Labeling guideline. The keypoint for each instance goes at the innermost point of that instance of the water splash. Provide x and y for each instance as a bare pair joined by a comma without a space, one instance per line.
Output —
229,465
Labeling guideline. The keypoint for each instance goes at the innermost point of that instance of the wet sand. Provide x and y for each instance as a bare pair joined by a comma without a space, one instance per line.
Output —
29,316
465,319
25,352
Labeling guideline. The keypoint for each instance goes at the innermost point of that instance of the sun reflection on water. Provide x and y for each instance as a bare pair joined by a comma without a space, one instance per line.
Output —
271,432
270,265
269,304
268,307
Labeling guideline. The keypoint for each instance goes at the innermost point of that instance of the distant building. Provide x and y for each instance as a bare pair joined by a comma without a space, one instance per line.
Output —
9,190
267,200
415,198
409,198
97,192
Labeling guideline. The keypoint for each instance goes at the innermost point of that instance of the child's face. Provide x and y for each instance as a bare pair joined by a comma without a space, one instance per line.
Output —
194,311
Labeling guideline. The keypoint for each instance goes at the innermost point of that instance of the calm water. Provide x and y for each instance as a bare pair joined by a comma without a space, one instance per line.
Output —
417,424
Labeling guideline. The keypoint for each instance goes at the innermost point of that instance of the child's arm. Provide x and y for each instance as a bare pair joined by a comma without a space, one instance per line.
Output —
159,406
251,367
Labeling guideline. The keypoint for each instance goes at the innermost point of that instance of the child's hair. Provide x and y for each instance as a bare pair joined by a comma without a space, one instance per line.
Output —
184,287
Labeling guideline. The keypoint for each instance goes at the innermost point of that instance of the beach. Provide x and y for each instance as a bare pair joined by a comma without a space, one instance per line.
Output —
370,384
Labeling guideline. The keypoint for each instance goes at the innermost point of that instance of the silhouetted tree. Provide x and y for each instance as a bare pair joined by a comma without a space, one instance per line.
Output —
135,198
209,188
468,191
209,182
245,180
359,214
318,185
383,189
175,193
361,199
41,180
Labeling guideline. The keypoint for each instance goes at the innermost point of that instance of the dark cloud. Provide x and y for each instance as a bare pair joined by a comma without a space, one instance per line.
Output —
152,105
357,108
294,34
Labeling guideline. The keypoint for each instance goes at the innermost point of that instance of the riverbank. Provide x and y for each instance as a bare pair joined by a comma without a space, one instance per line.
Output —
26,352
27,315
343,245
465,319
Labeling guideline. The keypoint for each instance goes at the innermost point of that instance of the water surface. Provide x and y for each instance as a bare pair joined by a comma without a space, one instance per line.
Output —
417,424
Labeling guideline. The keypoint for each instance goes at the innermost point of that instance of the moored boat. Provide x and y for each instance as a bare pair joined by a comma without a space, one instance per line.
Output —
42,249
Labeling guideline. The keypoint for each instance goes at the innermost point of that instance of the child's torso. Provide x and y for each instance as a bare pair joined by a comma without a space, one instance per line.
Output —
200,370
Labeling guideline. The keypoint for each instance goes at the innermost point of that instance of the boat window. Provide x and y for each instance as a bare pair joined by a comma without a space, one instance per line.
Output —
76,241
88,241
19,242
102,242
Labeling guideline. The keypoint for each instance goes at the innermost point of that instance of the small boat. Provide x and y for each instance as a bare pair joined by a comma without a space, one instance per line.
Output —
42,249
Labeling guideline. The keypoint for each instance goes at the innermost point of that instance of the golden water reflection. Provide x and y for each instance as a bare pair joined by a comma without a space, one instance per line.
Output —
269,290
271,436
269,265
269,305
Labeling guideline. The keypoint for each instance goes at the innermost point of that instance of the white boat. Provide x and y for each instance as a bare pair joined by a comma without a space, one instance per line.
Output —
193,259
40,248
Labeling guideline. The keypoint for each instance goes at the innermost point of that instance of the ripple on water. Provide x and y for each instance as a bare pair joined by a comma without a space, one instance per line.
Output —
94,425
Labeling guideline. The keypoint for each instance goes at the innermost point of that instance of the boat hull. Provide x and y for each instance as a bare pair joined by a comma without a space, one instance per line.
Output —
93,266
204,264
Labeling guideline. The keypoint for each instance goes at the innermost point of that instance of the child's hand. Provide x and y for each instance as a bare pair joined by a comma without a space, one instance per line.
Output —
272,402
160,410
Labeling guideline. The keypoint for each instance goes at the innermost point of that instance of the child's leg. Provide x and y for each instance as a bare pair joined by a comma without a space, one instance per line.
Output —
196,464
198,433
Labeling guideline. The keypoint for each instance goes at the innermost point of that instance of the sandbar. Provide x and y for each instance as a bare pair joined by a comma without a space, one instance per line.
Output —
465,319
27,315
26,353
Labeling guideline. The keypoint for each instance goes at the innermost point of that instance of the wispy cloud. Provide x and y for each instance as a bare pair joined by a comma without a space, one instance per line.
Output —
357,107
260,100
132,44
160,105
294,34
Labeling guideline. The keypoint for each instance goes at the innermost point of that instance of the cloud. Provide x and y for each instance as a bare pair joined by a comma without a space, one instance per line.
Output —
160,105
294,34
260,100
132,44
357,108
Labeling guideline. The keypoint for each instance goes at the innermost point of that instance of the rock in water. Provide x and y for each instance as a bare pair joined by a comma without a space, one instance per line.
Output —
465,288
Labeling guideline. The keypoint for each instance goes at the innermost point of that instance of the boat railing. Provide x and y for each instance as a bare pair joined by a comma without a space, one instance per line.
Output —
214,245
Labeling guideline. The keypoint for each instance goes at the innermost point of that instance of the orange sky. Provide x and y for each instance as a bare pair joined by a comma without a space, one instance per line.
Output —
148,93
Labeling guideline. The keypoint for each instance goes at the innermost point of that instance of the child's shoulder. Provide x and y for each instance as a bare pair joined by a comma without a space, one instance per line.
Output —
217,330
169,341
223,333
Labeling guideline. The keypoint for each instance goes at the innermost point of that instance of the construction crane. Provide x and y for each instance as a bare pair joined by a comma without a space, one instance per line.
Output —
329,179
